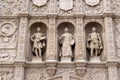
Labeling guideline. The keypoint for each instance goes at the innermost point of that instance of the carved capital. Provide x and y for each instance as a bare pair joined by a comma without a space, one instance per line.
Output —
108,14
24,15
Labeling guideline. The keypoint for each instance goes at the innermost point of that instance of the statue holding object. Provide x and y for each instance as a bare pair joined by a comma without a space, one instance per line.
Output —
94,43
38,40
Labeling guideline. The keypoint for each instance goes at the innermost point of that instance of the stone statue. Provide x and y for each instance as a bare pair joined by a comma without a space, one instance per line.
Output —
38,40
66,40
94,43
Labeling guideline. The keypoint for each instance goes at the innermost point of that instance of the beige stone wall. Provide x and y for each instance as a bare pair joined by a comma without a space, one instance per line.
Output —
15,47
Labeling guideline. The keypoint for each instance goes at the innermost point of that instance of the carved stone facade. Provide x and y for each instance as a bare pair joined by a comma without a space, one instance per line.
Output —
19,20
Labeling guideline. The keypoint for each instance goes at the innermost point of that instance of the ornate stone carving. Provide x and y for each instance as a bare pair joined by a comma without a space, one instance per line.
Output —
6,74
6,55
116,6
7,29
94,43
117,35
96,74
38,40
39,2
93,9
9,7
67,41
92,2
36,74
66,5
36,10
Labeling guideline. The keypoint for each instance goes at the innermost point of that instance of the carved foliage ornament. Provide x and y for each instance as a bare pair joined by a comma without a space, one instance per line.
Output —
39,2
92,2
66,4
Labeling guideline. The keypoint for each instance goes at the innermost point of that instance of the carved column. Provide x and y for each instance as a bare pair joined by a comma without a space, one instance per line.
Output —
79,37
19,71
113,71
51,39
109,41
80,55
109,37
22,37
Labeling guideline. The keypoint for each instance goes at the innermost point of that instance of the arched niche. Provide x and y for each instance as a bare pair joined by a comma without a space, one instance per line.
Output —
32,30
88,30
60,31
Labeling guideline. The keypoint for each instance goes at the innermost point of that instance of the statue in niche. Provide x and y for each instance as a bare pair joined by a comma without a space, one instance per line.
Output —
94,43
38,40
67,41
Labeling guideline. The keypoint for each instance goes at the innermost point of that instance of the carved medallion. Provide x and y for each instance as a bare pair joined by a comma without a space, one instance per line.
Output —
92,2
66,4
39,2
7,29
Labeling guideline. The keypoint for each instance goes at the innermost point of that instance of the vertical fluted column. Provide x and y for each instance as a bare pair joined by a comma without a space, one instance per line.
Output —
51,39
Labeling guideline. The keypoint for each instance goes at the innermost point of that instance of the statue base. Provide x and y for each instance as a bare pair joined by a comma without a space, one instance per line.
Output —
37,59
95,59
66,59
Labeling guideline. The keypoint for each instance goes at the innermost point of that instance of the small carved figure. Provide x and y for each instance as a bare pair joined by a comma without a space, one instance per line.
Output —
38,40
94,43
66,40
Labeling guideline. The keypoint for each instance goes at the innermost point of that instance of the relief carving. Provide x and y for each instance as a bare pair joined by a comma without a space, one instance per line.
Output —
39,10
96,74
98,9
38,40
6,55
116,6
117,35
36,74
94,43
67,41
39,2
7,75
66,5
10,7
92,2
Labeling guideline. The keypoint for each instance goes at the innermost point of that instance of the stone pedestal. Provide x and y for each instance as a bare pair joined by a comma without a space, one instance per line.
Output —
37,59
95,59
66,59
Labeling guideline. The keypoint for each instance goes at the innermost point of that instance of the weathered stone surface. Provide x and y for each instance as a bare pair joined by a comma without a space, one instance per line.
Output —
19,20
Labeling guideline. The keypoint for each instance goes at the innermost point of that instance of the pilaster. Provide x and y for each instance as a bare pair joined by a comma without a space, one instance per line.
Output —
51,37
79,37
112,70
22,37
19,70
109,39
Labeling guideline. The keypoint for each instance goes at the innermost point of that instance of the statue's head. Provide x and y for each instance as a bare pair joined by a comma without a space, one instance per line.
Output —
94,29
38,29
66,30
